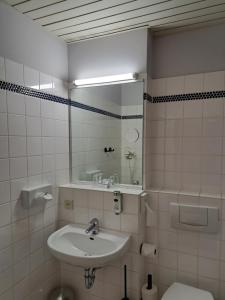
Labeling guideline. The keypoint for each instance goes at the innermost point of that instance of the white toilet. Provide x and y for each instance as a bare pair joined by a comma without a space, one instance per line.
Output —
178,291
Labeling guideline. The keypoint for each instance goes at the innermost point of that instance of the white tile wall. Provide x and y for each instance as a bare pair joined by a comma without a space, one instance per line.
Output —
184,153
27,271
189,257
14,72
184,157
193,83
31,78
184,140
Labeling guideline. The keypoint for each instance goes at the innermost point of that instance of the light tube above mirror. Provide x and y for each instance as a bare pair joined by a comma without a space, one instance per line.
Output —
112,79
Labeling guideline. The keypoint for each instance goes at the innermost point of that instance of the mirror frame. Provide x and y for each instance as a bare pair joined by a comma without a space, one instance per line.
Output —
142,77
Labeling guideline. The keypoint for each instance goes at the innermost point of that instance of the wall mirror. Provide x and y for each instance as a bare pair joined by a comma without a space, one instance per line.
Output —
106,133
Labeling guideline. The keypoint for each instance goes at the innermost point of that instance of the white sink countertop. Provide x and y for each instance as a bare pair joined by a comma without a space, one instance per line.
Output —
125,189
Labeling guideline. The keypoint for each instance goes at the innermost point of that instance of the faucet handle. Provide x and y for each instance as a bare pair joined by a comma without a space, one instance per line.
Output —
95,222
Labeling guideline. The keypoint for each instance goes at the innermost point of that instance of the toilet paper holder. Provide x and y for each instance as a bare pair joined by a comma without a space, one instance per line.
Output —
152,250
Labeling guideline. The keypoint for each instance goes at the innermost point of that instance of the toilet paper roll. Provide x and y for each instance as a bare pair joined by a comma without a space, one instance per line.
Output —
149,294
148,250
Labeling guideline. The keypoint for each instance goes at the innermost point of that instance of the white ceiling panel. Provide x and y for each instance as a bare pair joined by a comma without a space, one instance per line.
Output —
100,6
14,2
153,20
25,6
111,13
78,20
138,16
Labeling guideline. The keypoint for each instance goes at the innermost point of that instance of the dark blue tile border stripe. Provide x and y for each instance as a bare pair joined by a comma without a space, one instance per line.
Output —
38,94
131,117
185,97
94,109
32,92
158,99
147,97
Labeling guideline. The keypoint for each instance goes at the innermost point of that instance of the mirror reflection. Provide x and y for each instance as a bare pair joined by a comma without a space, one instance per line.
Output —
106,133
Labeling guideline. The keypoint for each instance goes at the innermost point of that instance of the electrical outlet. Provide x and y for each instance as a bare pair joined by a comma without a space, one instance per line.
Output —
68,204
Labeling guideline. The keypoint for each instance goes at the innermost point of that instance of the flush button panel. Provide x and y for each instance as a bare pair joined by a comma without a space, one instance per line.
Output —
195,218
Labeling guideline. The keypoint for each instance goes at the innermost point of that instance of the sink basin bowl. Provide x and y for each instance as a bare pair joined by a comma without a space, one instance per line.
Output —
72,245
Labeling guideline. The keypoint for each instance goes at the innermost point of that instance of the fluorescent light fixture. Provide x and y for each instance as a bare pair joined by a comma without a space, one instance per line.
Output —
106,79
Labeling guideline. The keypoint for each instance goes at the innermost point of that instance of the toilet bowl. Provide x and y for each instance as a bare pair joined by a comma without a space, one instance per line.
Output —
179,291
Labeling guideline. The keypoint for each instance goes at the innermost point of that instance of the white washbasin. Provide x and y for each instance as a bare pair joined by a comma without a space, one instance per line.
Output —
72,245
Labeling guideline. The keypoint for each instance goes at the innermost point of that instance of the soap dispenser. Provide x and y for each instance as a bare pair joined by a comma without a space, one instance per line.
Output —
117,202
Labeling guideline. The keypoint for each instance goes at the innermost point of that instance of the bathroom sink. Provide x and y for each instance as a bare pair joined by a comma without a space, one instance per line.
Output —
72,245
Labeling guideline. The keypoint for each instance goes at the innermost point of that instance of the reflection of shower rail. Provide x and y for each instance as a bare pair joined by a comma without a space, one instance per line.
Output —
131,156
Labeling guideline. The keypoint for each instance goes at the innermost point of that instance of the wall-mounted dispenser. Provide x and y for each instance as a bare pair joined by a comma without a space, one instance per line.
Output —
195,218
38,194
117,202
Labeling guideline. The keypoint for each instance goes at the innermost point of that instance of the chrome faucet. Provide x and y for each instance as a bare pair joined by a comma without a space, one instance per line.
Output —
93,226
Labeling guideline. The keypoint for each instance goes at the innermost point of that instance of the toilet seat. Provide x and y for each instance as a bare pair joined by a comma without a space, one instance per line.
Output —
179,291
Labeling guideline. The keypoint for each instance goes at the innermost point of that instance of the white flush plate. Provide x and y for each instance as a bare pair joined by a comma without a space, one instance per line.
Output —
195,218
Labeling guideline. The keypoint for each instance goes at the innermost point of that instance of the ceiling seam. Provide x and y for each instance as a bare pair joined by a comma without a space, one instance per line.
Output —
64,10
28,11
44,25
132,10
14,5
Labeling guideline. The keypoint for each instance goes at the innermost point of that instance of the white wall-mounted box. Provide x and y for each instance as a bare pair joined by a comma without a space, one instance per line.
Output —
195,217
38,194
